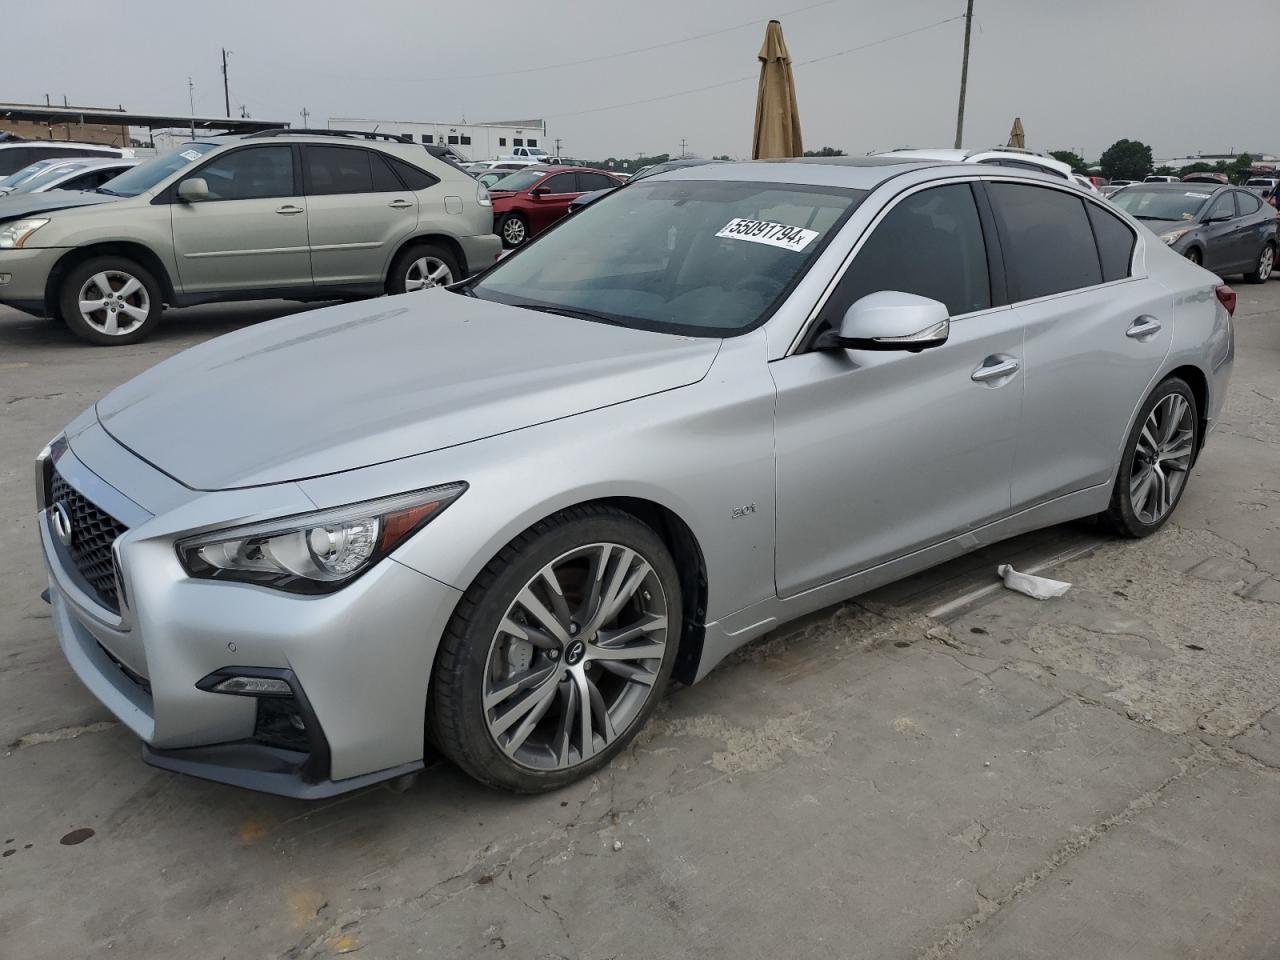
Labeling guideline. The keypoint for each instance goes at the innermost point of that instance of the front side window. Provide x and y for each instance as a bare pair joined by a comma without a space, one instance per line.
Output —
1223,207
705,258
252,174
1046,239
930,244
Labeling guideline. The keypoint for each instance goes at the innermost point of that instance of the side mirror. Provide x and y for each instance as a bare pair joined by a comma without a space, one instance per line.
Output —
890,320
193,190
539,191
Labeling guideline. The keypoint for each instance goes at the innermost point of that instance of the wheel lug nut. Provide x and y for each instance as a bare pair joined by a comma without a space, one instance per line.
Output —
553,654
573,629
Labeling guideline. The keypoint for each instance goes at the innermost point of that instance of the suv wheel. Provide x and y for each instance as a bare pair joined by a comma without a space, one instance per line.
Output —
513,230
422,267
1266,262
1157,461
558,652
110,301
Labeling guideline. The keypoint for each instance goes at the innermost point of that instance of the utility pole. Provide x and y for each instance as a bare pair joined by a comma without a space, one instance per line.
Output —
964,73
683,144
304,113
191,99
557,146
226,86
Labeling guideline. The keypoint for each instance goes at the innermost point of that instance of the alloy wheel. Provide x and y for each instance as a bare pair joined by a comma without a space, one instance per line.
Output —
427,272
576,657
1266,262
114,303
513,231
1162,459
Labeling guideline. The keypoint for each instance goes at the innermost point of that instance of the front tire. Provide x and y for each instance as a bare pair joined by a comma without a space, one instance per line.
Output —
1266,263
110,301
1193,254
514,230
558,652
1157,461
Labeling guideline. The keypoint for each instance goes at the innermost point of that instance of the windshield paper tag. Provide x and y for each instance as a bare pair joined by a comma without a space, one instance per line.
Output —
1199,196
765,231
190,154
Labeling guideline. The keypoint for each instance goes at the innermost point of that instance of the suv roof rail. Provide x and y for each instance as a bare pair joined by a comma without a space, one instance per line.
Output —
325,132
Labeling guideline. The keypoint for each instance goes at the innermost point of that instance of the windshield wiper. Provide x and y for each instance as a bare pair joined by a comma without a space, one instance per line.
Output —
109,193
571,312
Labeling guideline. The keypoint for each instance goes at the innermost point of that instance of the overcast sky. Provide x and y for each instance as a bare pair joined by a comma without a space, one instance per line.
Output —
1181,75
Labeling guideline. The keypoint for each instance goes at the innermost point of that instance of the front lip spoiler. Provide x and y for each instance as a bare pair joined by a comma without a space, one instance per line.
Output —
256,766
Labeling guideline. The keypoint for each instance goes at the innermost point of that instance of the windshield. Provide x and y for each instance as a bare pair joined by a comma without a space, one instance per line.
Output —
27,172
693,257
519,181
147,174
1161,204
42,178
1259,182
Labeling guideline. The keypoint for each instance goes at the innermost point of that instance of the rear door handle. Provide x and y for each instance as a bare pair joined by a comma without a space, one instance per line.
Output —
289,210
400,204
995,368
1143,328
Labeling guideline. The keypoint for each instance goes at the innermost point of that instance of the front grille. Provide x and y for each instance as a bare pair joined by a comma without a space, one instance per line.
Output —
93,531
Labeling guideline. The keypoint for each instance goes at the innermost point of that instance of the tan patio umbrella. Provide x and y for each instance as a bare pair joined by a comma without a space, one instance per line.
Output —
1018,136
777,131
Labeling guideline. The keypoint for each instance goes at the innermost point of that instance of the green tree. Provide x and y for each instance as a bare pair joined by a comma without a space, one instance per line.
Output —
825,152
1126,160
1071,159
1240,168
722,156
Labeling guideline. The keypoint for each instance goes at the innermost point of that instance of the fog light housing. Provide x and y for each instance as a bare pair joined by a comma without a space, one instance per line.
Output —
253,687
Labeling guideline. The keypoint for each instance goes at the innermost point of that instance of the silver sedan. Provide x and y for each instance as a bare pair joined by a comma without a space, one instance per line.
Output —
498,520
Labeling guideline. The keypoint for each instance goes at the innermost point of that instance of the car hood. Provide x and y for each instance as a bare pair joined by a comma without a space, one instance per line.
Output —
1164,226
360,384
17,205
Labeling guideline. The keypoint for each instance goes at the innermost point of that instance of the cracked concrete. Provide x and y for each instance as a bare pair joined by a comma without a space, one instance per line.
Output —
1097,775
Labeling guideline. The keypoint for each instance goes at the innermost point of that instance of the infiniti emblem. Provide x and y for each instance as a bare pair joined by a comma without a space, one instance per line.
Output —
61,523
575,652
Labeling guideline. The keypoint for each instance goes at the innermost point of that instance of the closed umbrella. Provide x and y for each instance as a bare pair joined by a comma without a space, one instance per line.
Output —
777,132
1018,136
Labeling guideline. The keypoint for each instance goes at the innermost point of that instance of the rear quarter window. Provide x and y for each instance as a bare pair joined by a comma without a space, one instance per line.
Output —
1046,238
1115,242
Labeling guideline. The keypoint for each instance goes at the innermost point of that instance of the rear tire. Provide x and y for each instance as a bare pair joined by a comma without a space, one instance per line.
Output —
422,266
519,709
110,301
1266,263
1156,466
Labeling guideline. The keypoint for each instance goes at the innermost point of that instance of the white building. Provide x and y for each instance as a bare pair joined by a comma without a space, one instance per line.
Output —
477,141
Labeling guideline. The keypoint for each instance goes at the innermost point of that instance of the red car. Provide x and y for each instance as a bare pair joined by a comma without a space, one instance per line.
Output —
532,199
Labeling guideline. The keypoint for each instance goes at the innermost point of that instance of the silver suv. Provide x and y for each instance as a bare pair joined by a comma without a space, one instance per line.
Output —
300,215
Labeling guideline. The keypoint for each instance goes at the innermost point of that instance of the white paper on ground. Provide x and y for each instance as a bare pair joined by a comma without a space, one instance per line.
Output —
1041,588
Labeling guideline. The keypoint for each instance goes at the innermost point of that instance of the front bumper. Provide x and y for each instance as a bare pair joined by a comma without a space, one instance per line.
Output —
27,271
358,661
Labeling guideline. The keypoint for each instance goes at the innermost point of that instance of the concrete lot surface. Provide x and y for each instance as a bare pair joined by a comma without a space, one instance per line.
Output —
933,771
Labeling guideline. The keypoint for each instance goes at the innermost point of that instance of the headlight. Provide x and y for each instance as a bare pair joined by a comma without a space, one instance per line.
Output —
15,233
314,552
482,195
1173,236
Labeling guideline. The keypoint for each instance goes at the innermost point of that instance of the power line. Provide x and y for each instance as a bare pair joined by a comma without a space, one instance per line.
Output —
753,76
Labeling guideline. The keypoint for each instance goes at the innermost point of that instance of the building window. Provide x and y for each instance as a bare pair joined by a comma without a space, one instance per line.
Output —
502,141
532,143
422,137
517,142
466,141
452,138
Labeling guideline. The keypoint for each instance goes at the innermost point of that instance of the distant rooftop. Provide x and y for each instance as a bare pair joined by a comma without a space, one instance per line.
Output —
38,113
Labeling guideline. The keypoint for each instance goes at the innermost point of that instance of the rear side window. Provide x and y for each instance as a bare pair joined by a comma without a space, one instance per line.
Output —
1115,242
930,244
594,181
336,170
413,177
1248,203
562,183
1046,238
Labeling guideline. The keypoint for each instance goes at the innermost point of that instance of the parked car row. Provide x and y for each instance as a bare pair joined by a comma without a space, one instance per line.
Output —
280,213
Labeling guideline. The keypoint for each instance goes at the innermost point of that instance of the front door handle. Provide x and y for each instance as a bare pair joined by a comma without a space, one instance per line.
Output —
1143,328
400,204
994,368
288,210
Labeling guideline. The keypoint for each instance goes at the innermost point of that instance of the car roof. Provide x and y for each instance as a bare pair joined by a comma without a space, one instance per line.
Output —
1180,186
860,173
19,144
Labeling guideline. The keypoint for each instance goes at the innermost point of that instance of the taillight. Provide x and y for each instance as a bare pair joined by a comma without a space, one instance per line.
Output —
1227,297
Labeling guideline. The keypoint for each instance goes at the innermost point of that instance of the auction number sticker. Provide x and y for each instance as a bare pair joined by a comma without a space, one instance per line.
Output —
190,154
766,231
